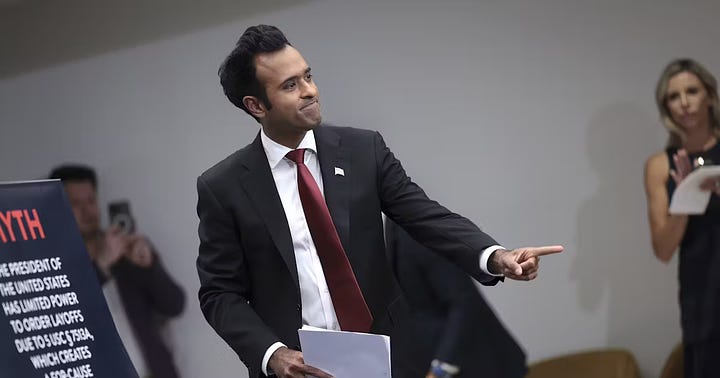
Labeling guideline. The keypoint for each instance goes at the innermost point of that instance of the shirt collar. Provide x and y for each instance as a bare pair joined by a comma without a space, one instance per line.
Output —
275,151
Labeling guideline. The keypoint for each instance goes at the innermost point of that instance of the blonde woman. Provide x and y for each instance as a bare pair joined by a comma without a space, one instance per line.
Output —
687,99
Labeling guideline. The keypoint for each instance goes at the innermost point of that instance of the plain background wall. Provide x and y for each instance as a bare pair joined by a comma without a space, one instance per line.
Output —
532,118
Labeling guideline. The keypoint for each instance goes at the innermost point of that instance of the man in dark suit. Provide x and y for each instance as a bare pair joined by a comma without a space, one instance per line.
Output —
126,265
268,263
452,331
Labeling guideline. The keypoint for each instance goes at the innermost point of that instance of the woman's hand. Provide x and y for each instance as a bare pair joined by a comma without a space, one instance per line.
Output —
683,166
711,184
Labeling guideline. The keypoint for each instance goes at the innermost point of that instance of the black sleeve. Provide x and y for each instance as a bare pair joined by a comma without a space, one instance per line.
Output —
428,222
224,283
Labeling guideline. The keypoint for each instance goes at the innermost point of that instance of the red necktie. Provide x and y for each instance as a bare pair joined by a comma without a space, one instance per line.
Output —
352,312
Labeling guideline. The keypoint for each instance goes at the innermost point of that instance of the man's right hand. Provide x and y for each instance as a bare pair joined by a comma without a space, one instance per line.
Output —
116,245
288,363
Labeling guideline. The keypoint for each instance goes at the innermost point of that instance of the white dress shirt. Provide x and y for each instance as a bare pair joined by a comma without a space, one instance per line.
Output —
317,306
122,323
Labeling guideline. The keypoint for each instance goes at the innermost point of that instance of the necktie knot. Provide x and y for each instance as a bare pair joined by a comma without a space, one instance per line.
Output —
297,156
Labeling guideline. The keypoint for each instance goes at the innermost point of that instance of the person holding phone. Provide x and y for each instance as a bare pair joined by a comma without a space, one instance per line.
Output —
687,99
140,293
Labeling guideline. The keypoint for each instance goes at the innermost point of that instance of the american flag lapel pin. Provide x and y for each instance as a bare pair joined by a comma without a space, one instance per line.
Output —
339,171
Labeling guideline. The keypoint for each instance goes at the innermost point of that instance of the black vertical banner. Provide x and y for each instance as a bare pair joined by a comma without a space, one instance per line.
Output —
54,322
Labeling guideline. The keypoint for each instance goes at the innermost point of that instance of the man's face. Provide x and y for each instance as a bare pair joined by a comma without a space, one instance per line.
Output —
291,91
83,200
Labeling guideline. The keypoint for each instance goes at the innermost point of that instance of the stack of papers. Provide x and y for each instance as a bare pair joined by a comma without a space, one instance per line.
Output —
346,354
688,198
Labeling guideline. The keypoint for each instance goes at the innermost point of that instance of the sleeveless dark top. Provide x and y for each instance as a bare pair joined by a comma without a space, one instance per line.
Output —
699,263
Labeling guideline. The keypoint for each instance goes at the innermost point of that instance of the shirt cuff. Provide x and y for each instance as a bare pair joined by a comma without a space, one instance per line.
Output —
485,256
268,353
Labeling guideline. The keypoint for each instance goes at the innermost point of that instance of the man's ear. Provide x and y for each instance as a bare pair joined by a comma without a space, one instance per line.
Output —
254,106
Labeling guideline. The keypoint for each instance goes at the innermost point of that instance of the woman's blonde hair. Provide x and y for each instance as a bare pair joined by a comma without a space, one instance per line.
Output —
677,135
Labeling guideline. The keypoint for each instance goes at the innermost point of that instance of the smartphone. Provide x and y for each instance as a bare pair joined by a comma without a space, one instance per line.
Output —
121,216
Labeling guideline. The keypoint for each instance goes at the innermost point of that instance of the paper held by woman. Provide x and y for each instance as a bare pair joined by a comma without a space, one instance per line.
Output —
688,197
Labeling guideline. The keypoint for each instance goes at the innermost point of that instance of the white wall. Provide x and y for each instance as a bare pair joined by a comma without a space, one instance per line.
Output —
543,110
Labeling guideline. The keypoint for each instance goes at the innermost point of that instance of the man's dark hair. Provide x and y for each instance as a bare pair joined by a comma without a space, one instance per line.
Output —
74,172
237,73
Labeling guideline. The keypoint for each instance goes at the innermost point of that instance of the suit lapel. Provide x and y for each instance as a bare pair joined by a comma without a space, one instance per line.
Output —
260,187
335,168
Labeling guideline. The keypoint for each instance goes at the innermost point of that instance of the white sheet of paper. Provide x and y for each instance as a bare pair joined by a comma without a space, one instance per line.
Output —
346,354
688,198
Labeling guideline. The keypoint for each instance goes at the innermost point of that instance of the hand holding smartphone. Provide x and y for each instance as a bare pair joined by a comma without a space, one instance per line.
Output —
138,250
121,217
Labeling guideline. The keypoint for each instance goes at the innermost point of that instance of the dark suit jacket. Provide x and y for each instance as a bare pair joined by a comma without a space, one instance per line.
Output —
248,278
149,297
450,319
